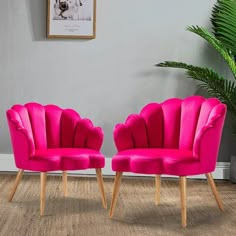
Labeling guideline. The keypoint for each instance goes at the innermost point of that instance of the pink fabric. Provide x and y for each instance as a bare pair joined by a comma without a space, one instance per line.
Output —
153,116
123,137
53,125
176,137
190,111
137,126
156,161
47,138
69,121
65,159
171,122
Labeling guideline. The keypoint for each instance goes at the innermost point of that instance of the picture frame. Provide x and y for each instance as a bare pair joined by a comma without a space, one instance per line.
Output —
71,19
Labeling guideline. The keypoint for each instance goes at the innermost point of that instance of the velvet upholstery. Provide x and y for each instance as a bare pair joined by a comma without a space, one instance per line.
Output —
176,137
48,138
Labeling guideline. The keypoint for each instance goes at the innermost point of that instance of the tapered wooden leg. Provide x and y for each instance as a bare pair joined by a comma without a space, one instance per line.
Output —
214,190
115,192
14,187
158,189
183,200
101,187
43,177
64,180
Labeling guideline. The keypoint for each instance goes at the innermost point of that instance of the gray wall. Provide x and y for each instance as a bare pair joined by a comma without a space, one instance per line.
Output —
111,76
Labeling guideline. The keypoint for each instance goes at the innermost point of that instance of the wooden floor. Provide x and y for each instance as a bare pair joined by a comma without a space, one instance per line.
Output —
81,213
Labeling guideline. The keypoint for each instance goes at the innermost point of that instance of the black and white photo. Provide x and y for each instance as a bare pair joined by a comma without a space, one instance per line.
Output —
71,18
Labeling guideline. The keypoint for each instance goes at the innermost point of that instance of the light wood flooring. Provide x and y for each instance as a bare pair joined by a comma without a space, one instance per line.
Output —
81,212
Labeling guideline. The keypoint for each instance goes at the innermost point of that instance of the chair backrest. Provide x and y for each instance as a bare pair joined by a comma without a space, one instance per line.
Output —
173,123
50,126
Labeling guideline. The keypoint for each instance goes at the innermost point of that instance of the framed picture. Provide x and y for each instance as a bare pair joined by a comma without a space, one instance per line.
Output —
71,19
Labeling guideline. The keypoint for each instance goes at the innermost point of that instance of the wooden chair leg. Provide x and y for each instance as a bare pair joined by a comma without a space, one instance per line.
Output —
115,192
43,177
101,187
183,200
158,189
214,190
14,187
64,180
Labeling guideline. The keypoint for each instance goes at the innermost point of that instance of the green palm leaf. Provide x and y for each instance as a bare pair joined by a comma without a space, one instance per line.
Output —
224,20
212,40
214,84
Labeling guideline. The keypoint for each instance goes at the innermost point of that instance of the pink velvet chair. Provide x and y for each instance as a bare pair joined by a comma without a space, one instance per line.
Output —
48,138
176,137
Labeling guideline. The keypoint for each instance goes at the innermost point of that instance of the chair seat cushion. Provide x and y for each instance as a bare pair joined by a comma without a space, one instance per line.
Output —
65,159
156,161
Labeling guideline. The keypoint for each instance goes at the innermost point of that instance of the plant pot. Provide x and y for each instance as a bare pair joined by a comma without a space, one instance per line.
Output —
233,169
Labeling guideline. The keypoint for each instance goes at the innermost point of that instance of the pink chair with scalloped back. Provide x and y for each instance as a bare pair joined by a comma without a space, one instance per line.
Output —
177,137
48,138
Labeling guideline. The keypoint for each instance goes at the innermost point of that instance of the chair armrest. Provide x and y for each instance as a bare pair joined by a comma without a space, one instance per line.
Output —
131,134
88,136
95,138
207,142
123,137
22,142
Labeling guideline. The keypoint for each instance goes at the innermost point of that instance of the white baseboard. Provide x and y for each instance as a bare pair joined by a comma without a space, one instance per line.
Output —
7,164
